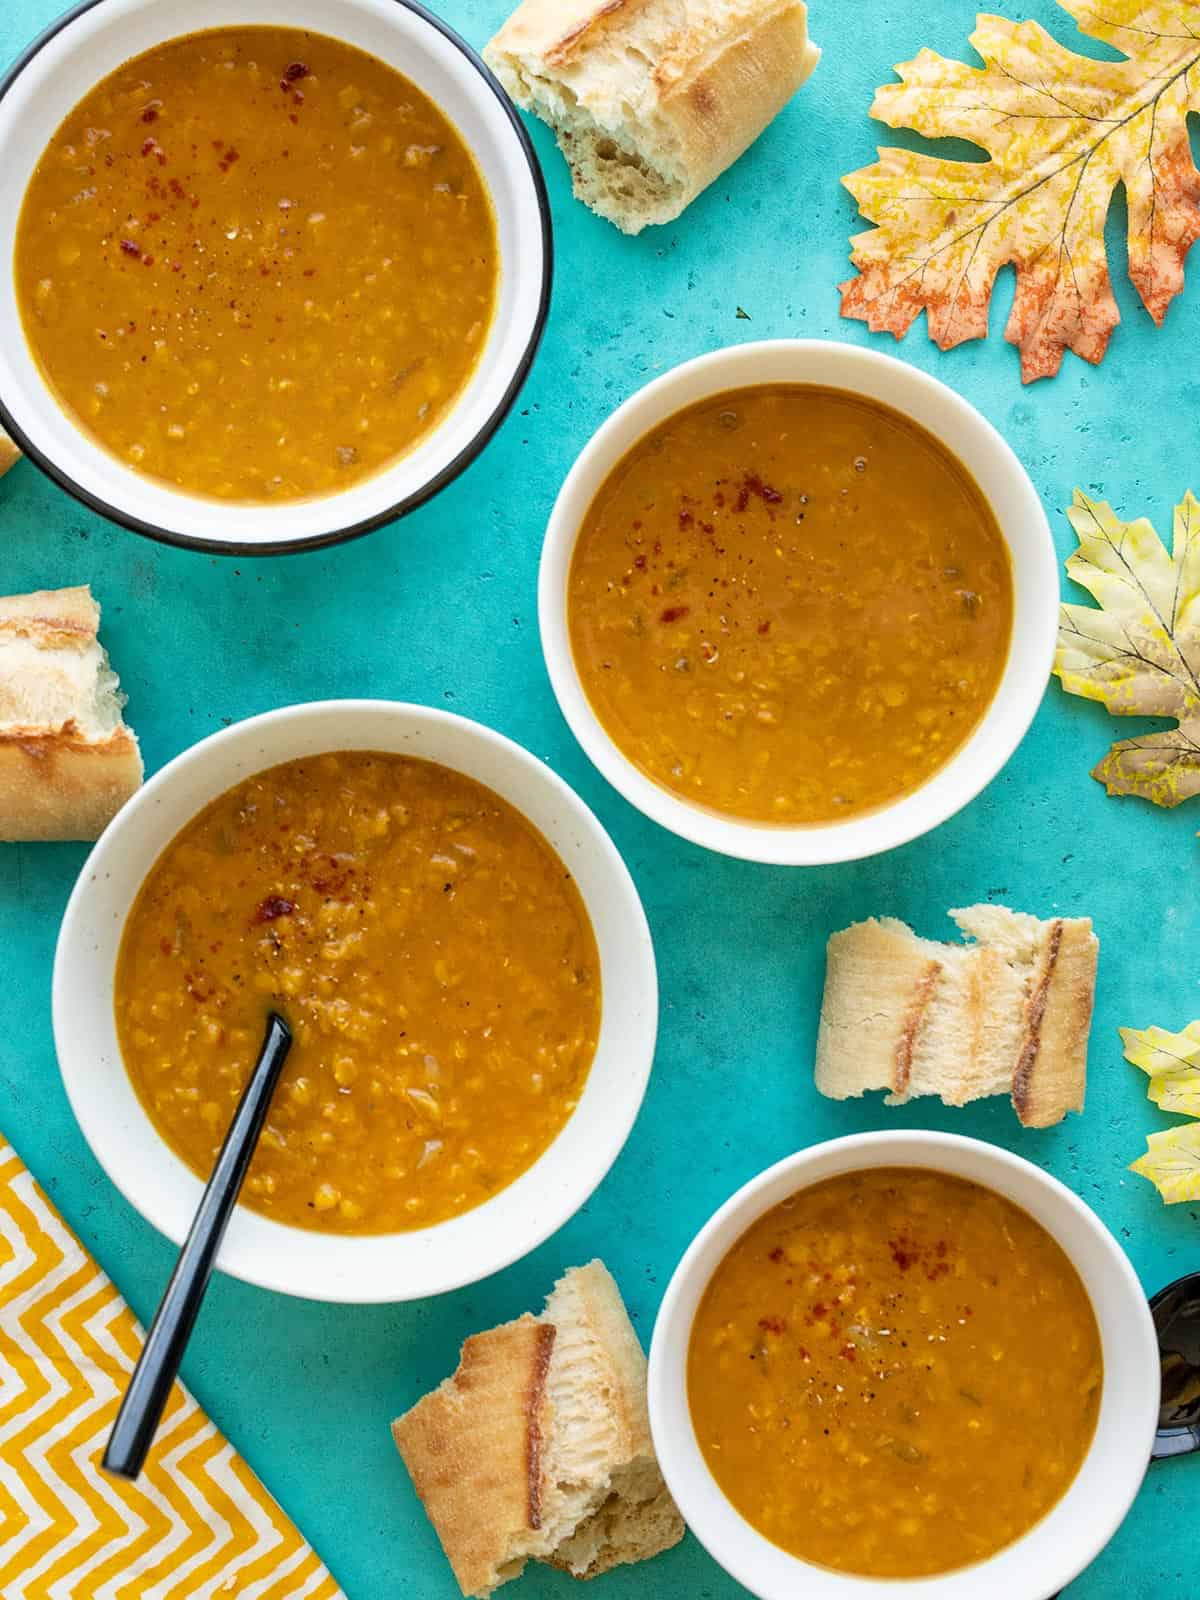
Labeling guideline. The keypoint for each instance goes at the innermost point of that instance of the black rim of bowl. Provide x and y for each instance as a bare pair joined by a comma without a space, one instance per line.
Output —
434,485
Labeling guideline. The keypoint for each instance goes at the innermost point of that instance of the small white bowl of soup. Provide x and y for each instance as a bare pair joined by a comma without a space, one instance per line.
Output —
279,267
798,601
904,1363
461,955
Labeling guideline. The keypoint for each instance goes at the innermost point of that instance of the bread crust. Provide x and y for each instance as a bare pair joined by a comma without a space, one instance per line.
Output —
1009,1014
539,1445
473,1450
681,98
9,454
60,778
1051,1074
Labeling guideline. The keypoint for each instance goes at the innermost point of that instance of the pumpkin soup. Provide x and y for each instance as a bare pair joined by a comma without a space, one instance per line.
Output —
256,264
894,1373
432,955
789,604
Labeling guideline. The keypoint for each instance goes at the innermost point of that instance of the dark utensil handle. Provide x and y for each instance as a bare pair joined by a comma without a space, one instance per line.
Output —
142,1408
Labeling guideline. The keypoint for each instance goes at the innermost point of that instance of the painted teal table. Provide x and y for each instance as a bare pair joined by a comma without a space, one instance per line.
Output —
440,608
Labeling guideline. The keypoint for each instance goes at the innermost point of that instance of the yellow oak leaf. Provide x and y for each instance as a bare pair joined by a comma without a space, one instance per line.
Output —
1139,654
1172,1063
1062,130
1172,1162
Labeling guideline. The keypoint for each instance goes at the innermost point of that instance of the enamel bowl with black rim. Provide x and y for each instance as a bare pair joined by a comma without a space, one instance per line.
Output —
403,1265
87,44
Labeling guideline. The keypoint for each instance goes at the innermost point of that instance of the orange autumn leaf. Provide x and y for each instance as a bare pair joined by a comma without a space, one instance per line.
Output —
1062,130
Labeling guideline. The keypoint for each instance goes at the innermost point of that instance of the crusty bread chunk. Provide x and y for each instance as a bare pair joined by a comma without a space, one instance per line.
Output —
538,1447
67,760
652,99
9,454
1007,1014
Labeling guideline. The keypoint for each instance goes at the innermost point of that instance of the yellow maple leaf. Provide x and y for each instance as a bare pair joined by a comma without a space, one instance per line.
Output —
1172,1163
1172,1063
1062,130
1139,654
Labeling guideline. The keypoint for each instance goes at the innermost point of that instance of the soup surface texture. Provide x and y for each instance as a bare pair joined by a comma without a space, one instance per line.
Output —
435,961
789,604
894,1373
256,263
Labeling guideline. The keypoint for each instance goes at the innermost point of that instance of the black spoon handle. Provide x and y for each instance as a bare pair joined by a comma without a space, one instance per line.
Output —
142,1408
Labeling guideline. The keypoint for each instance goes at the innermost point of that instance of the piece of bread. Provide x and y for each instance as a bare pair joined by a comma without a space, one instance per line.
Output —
9,454
652,99
67,760
1007,1014
538,1447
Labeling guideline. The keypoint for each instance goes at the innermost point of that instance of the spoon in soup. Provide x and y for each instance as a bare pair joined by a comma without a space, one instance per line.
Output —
142,1408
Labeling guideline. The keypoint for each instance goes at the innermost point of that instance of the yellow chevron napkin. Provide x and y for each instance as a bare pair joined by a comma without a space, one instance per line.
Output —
197,1523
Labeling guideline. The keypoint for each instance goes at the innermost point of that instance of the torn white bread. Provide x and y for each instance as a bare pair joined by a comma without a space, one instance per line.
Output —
67,761
652,99
1008,1014
538,1447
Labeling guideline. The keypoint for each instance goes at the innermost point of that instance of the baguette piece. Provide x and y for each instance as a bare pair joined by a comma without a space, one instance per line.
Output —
538,1447
67,760
652,99
9,454
1007,1014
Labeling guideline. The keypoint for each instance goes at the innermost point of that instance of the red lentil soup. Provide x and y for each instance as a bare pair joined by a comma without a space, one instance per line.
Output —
789,604
895,1373
435,961
256,264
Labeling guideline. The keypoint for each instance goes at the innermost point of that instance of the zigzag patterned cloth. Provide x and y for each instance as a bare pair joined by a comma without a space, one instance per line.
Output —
197,1523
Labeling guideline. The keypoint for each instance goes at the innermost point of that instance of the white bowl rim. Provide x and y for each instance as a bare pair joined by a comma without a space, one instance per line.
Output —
440,479
871,833
683,1464
238,1258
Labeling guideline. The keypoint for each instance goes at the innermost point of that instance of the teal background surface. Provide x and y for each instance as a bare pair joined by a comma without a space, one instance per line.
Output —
440,608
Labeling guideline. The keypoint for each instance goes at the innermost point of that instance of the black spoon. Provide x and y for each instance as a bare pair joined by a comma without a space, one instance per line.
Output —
142,1408
1176,1311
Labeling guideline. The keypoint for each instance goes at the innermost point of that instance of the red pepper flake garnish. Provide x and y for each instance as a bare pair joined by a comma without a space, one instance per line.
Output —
753,484
765,627
772,1324
903,1252
130,248
848,1352
685,518
274,906
803,1353
166,946
294,71
776,1254
176,188
150,114
674,613
147,261
640,563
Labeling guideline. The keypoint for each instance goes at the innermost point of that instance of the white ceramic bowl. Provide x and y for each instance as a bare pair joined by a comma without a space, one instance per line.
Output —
74,53
397,1266
1074,1532
1004,483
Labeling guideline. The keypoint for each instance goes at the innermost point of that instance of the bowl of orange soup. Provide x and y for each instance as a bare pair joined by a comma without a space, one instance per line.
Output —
278,269
798,601
461,955
904,1362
